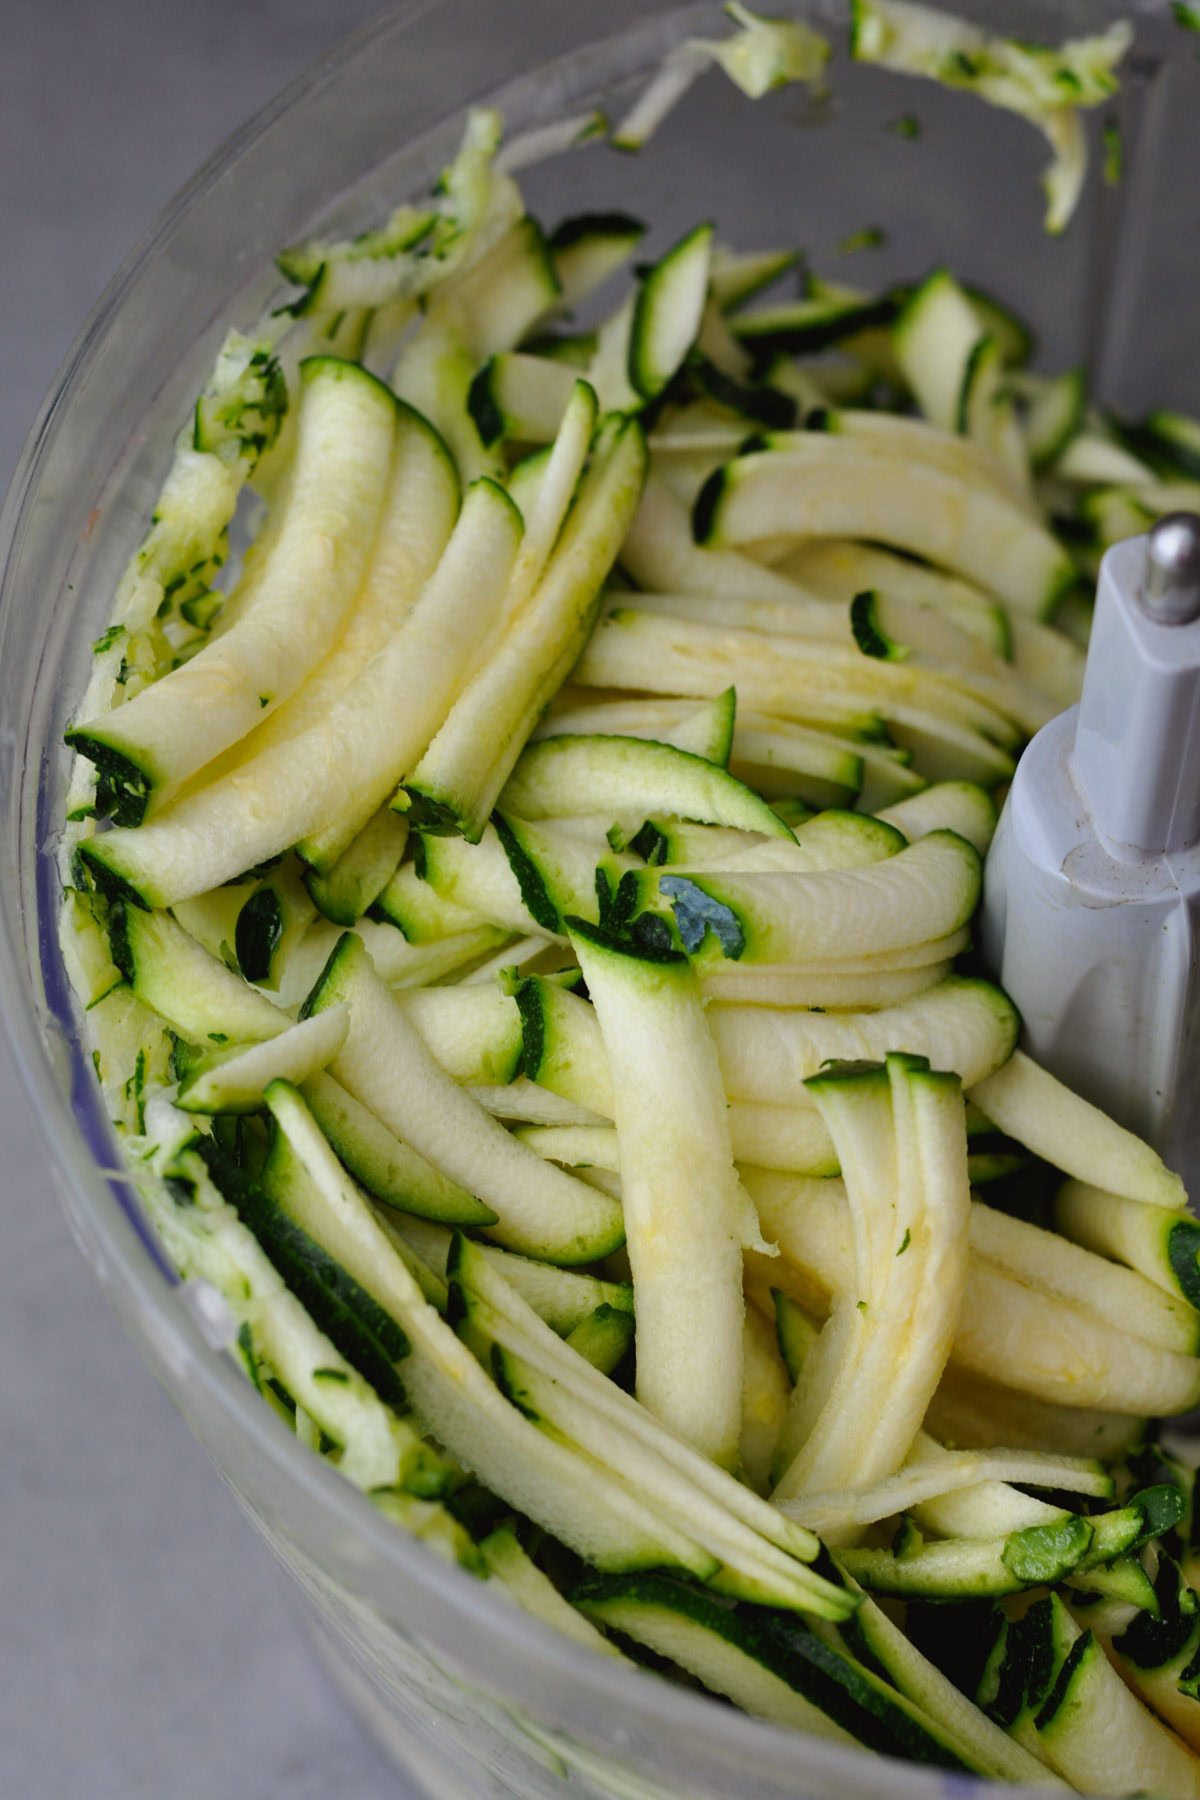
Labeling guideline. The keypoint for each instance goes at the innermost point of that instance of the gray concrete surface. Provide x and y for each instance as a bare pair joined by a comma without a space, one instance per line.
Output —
149,1649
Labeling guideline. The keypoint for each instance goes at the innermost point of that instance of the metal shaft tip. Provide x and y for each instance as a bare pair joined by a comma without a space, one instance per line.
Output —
1171,584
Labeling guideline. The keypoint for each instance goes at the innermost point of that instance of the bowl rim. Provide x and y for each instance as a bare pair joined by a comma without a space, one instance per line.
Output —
126,1258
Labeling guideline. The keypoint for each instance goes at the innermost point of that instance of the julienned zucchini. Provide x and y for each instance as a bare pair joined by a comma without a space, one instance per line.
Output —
234,1080
1160,1242
519,397
457,781
383,1063
713,919
685,1214
388,1169
284,1350
773,1666
901,1141
766,1053
331,779
1049,1683
569,774
705,730
360,874
1028,1103
925,891
192,989
449,1392
804,327
855,492
564,1298
666,314
762,1555
149,746
587,248
366,1333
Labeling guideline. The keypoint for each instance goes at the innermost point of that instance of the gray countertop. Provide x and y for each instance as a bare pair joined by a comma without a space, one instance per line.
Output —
148,1645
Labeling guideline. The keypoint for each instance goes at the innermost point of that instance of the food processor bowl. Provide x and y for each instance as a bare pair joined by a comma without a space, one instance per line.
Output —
469,1694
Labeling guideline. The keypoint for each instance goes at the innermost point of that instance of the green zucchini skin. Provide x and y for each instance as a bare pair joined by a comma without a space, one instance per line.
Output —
367,1336
849,1694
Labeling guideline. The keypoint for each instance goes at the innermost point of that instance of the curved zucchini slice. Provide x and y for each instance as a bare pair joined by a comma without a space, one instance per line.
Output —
766,1054
949,733
668,311
193,991
685,1213
542,1211
389,1170
205,1237
1043,1259
149,746
507,1562
736,276
772,1666
455,785
589,247
359,876
925,891
1029,1104
568,774
415,907
1160,1242
332,778
839,569
960,806
853,491
901,1141
234,1081
474,1033
705,731
519,397
564,1298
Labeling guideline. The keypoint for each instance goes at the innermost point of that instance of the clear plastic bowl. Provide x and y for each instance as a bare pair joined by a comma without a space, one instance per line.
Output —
469,1694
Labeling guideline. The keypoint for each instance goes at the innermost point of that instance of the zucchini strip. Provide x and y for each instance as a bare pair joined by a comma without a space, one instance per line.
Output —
457,781
542,1211
926,891
777,1669
388,1169
950,1473
891,1336
1028,1103
1050,1349
533,1591
1160,1242
1044,1260
235,1082
850,490
314,568
953,734
362,872
754,1541
572,1497
418,514
334,777
767,1053
685,1213
207,1240
565,774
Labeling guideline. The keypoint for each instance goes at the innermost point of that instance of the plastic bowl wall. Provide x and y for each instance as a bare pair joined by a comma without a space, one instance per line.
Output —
469,1693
